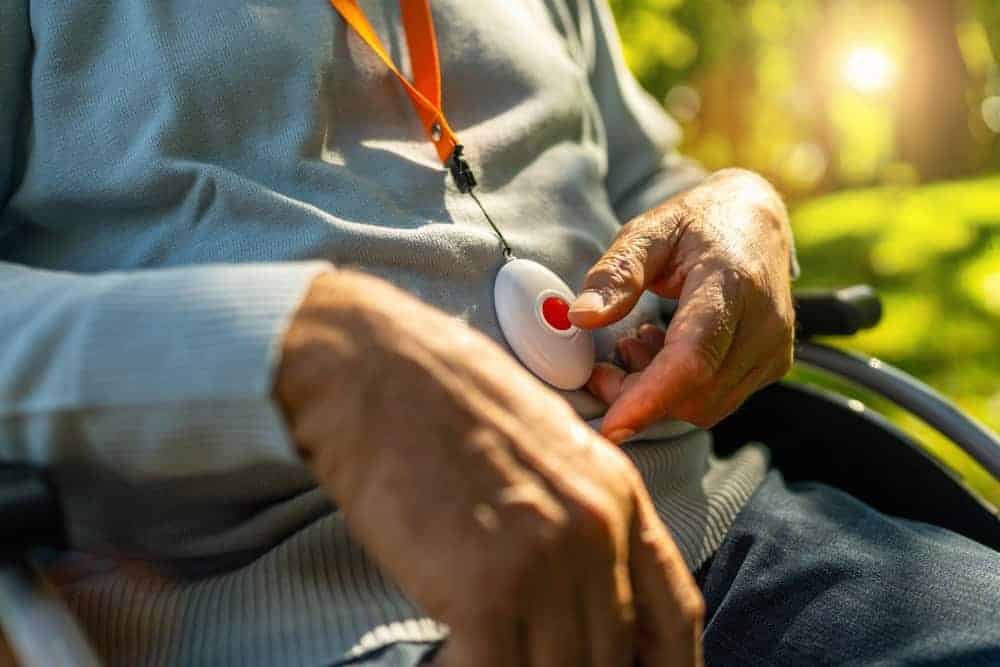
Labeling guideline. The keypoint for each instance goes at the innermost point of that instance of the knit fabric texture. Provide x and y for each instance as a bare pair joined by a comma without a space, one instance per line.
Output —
173,174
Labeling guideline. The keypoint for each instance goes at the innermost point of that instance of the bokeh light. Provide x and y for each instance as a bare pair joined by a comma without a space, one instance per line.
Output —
880,122
991,113
869,69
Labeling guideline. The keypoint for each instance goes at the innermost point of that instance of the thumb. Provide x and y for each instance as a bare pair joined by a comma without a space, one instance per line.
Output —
635,260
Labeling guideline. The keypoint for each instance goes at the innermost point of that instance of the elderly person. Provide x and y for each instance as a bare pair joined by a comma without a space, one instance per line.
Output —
248,323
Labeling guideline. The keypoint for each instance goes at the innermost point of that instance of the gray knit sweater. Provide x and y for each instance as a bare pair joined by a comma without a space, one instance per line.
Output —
173,174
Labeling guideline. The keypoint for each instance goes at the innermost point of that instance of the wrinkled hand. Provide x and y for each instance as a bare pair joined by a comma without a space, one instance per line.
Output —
723,250
478,490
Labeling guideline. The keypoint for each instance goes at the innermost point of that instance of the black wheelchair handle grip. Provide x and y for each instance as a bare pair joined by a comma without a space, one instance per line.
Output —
841,312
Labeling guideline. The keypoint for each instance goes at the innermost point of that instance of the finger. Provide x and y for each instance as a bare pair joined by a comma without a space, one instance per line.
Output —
609,615
555,632
600,559
636,354
652,336
749,352
709,409
669,607
761,352
630,380
761,341
635,260
697,342
755,380
606,382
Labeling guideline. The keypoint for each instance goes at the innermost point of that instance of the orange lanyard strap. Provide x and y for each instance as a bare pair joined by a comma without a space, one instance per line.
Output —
425,90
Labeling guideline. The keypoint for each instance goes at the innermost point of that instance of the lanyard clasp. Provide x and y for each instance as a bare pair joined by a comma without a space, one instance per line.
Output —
461,173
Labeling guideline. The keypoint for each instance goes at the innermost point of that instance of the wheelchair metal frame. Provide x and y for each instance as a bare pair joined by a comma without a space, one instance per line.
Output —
910,394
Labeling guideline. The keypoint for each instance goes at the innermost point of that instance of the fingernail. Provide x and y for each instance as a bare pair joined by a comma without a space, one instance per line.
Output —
620,436
588,302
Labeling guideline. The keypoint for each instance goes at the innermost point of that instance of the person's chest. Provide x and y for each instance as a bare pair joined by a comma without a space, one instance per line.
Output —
175,132
255,85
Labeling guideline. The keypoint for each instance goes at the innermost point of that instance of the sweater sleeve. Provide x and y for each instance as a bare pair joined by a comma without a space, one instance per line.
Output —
140,391
644,166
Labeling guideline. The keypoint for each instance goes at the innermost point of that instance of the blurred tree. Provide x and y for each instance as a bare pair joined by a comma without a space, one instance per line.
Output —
933,112
762,83
823,95
817,83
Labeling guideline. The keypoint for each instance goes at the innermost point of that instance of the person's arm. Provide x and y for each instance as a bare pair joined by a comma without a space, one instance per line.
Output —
474,486
478,490
146,394
645,167
721,245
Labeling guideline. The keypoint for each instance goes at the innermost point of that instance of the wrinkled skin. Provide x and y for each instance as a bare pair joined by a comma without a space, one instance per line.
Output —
479,490
476,487
723,250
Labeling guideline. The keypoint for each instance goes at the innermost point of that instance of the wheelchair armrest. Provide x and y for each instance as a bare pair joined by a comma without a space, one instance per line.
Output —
840,312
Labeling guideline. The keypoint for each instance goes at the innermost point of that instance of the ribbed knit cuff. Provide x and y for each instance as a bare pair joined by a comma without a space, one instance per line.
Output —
193,334
181,341
164,373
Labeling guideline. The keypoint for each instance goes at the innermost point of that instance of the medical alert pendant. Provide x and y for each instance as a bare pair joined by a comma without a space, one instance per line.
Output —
532,305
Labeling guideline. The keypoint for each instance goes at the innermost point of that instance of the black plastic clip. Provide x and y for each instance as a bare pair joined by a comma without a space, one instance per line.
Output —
460,171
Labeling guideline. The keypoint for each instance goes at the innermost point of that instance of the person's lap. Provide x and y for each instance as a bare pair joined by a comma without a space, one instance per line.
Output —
809,575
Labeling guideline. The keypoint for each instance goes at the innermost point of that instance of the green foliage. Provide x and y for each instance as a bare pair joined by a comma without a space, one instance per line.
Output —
766,84
934,254
776,94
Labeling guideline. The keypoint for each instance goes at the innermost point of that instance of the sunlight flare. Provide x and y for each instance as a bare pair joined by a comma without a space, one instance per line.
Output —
869,70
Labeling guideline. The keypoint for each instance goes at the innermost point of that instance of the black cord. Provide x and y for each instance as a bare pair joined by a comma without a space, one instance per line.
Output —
465,180
507,252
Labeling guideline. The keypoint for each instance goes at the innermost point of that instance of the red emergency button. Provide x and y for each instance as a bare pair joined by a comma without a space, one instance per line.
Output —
555,312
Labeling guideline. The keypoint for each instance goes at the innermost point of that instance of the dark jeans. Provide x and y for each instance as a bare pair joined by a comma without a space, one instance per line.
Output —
809,575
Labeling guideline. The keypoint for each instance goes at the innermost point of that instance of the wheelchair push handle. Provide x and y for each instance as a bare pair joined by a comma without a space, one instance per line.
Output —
841,312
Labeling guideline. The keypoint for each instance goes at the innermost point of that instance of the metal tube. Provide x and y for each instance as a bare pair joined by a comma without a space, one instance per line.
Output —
912,395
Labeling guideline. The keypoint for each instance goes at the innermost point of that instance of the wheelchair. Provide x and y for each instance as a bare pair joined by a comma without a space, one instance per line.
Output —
813,433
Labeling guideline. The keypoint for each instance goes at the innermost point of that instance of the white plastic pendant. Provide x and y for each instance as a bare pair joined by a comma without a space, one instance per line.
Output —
532,305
